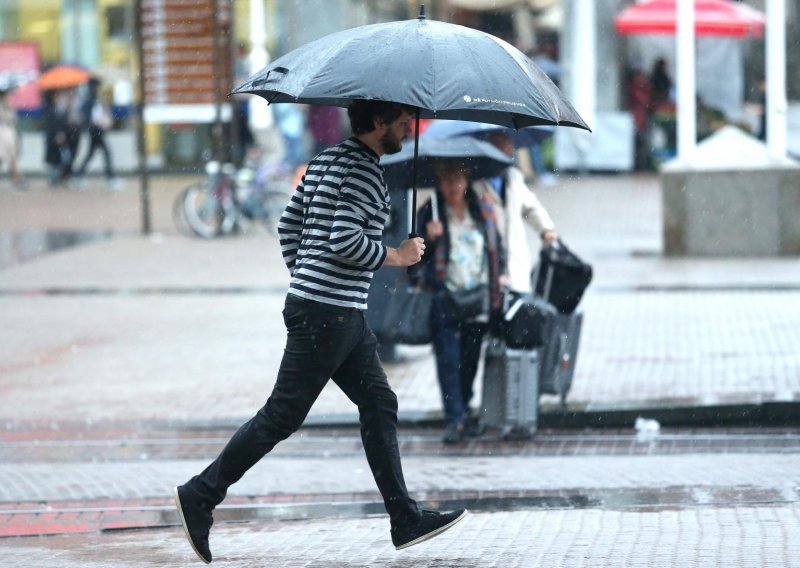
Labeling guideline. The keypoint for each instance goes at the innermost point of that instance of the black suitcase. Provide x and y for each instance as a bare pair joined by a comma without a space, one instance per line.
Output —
561,277
527,322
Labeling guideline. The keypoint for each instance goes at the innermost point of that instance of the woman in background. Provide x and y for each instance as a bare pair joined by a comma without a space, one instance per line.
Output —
463,254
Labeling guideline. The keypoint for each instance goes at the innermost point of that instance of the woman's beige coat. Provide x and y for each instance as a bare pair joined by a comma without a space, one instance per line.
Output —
522,206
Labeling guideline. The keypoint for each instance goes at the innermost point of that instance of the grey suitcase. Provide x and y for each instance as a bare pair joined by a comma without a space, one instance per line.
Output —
559,355
510,398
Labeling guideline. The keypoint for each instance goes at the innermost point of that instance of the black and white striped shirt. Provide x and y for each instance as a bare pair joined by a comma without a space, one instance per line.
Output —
330,232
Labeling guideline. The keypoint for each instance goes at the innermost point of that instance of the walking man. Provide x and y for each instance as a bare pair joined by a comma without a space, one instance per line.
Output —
330,236
97,120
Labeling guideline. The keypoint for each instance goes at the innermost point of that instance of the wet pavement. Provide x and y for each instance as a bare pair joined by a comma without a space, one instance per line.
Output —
126,363
99,496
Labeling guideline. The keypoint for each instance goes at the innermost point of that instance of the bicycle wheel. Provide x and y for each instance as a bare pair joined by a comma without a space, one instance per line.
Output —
179,214
202,210
273,202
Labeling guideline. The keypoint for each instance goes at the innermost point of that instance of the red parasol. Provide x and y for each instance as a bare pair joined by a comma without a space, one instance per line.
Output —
712,18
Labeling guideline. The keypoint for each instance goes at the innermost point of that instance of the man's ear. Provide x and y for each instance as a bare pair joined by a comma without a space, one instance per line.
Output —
378,123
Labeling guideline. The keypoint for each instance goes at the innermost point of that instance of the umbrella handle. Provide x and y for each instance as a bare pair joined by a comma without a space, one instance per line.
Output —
412,270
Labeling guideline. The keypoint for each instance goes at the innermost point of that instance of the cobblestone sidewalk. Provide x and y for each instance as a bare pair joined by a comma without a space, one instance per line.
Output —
746,537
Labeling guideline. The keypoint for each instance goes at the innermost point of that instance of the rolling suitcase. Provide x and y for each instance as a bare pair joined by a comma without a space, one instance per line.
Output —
560,279
559,355
510,398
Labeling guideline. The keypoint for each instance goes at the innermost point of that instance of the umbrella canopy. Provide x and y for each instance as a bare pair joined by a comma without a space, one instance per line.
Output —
62,77
712,18
481,158
528,136
445,70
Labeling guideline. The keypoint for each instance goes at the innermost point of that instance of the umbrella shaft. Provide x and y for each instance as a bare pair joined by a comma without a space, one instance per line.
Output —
414,178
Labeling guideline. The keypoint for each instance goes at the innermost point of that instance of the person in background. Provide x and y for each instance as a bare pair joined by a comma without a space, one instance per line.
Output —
515,205
463,252
661,84
56,151
97,120
73,108
547,60
8,139
640,104
291,123
245,139
761,99
325,126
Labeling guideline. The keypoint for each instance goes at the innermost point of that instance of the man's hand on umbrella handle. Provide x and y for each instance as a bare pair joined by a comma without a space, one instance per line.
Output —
408,253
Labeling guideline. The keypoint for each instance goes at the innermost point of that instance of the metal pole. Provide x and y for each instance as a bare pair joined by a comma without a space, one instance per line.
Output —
217,70
141,137
237,152
687,102
259,113
584,76
776,79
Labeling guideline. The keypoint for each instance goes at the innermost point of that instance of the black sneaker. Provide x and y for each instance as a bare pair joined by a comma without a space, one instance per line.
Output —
196,521
473,428
429,524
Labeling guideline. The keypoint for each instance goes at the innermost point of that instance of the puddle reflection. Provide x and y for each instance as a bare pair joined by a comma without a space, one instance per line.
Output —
22,246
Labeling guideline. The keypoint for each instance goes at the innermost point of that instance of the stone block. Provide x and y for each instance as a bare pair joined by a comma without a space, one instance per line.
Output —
731,199
731,213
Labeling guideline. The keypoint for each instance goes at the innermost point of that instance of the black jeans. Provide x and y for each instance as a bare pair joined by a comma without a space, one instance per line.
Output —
324,342
97,140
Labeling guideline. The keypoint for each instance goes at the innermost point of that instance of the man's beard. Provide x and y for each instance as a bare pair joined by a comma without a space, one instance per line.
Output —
390,144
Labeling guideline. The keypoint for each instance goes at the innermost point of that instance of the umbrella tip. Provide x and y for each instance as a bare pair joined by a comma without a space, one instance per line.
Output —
421,12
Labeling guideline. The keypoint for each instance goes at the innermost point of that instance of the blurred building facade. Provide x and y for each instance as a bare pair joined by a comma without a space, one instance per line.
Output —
99,35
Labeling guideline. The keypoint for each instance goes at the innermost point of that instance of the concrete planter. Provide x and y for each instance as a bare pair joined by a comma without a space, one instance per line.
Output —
727,209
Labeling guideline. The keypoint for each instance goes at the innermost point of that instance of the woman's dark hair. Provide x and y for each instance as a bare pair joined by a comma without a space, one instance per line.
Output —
474,208
447,168
362,113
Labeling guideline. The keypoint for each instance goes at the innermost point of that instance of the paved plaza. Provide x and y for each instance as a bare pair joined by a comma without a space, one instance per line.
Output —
126,362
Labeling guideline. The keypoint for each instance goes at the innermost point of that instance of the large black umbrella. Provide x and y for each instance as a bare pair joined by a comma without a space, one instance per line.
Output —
481,159
444,70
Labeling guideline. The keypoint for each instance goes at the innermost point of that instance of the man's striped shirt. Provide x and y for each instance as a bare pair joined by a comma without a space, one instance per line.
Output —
330,232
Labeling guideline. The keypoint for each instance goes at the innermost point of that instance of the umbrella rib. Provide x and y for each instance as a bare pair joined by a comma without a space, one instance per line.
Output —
553,106
433,68
331,55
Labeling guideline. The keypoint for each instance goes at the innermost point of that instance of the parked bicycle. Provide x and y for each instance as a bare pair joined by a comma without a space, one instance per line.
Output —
229,201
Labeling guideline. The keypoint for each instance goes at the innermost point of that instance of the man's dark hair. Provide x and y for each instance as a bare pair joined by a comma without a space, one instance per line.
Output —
362,113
